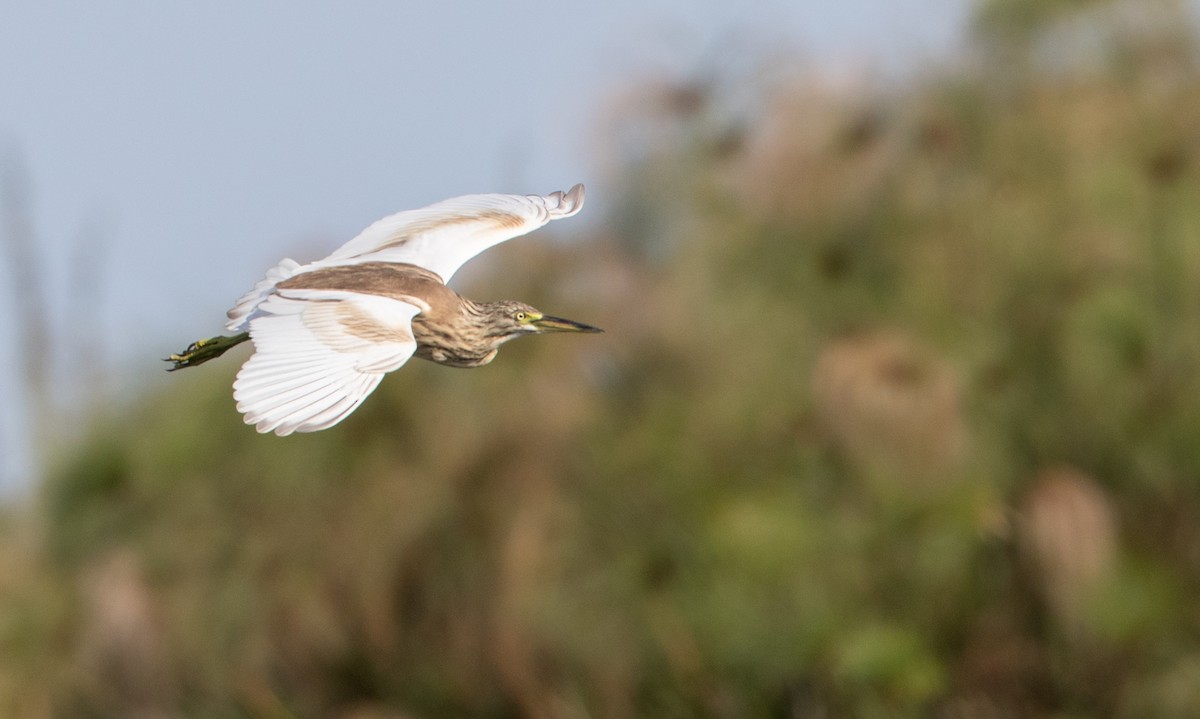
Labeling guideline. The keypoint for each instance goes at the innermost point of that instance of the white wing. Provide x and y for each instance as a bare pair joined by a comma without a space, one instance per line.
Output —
440,238
443,236
318,354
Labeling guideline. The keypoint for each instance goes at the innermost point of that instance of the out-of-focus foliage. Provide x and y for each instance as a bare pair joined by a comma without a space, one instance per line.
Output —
896,415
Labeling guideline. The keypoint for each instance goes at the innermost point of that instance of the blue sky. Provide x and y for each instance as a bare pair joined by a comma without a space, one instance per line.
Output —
197,143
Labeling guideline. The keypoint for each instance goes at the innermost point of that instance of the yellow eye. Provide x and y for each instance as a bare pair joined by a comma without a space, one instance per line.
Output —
521,317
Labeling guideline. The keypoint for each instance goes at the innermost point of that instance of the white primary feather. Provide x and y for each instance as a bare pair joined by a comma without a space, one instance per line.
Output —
239,316
440,238
318,354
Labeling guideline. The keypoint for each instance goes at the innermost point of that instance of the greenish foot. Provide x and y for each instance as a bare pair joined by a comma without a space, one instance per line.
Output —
202,351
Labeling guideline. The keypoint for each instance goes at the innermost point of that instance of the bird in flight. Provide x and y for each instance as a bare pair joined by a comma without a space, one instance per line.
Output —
327,332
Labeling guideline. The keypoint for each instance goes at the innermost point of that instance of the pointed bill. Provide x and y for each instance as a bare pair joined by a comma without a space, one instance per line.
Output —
557,324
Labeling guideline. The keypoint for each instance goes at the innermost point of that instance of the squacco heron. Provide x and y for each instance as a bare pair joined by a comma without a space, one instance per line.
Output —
327,332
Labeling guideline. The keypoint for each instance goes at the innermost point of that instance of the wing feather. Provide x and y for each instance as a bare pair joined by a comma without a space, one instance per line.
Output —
440,237
318,354
342,407
443,236
339,409
296,414
239,315
286,389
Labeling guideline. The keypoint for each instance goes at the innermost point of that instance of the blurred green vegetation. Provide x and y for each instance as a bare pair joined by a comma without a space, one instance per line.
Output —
896,415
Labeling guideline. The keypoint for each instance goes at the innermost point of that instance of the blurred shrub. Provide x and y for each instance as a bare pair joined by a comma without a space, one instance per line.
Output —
891,408
1068,534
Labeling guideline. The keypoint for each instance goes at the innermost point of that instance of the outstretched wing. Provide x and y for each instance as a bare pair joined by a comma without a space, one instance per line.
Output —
444,235
318,354
440,238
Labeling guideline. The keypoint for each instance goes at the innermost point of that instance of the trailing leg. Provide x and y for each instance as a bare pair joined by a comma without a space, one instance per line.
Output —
202,351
